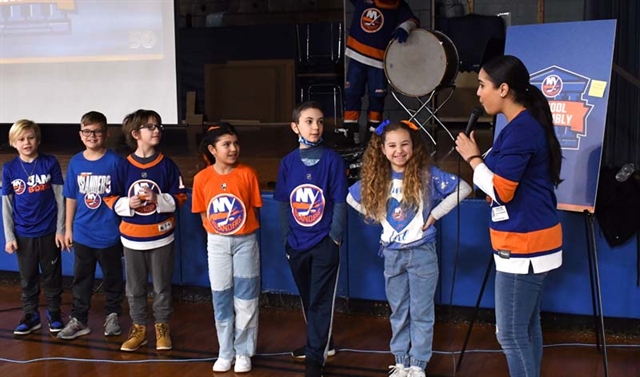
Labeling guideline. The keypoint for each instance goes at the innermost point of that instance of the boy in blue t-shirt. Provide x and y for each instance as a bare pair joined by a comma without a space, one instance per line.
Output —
33,220
92,228
312,191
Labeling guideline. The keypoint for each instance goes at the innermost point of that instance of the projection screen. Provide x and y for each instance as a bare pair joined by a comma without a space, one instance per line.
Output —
62,58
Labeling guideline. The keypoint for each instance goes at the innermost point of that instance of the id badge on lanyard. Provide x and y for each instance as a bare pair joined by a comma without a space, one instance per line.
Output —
499,213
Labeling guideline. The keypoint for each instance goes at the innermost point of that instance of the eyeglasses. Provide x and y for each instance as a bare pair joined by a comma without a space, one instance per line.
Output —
87,133
152,127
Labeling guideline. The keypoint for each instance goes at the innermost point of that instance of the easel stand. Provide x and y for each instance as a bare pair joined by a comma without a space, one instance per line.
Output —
476,310
596,296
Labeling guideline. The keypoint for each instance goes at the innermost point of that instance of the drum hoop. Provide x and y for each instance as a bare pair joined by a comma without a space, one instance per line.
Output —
434,32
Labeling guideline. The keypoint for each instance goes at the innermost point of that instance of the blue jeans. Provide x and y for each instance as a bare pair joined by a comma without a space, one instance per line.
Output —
411,277
518,327
234,274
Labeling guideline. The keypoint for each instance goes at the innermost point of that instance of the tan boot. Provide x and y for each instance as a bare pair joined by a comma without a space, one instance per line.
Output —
137,338
163,336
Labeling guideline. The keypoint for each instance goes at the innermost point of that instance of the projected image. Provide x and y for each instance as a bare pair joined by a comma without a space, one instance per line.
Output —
37,31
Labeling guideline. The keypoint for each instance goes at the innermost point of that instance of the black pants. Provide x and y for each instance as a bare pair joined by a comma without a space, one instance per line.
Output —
315,272
84,271
35,255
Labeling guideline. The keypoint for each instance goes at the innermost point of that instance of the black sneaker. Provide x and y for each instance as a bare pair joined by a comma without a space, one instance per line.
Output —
300,353
312,369
29,323
55,322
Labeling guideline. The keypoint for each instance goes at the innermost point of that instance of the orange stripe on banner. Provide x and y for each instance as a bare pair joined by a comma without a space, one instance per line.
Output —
575,207
364,49
147,230
504,188
526,243
351,115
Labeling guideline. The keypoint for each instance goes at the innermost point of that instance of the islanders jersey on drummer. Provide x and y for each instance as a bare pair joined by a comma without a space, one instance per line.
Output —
88,183
228,201
372,27
311,192
150,226
402,227
28,188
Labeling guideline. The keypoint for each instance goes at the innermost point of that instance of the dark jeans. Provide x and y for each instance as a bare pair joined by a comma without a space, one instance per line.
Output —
39,257
84,271
315,272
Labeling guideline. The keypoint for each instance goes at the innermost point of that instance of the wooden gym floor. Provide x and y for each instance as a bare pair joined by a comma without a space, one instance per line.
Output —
361,341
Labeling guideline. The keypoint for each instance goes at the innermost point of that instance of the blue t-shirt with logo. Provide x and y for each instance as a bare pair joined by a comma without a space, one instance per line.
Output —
88,182
34,204
311,192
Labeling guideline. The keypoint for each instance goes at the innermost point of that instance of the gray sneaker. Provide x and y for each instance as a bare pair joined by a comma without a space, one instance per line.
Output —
111,325
73,329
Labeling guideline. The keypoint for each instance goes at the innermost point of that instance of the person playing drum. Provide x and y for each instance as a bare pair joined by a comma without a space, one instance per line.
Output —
374,24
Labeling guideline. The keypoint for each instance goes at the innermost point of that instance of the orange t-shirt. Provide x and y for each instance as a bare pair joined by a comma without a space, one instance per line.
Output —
229,201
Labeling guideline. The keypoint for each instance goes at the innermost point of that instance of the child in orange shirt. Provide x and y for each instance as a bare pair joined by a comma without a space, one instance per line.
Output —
226,194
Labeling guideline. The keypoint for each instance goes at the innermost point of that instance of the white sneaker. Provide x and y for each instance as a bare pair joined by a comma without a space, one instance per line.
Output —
397,370
416,372
222,365
243,364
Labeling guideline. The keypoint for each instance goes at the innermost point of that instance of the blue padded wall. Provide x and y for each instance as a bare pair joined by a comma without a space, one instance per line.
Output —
464,252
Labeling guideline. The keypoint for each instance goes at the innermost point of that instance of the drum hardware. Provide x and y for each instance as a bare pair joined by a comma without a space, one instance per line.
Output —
425,65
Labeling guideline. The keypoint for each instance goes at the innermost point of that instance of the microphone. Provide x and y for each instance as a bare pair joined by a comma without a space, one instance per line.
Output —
473,119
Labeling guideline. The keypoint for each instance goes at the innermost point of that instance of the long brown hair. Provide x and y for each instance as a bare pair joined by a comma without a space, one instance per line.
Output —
510,70
375,175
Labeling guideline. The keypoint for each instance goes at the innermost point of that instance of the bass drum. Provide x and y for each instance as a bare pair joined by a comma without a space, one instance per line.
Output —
425,61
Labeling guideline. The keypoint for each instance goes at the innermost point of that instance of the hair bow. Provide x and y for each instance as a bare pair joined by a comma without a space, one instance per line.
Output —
380,128
410,124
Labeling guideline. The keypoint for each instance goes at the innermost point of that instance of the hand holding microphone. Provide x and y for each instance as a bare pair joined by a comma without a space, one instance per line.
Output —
473,119
465,142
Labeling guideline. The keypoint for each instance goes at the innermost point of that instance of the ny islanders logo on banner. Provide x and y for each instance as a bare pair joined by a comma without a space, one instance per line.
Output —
226,214
307,204
565,91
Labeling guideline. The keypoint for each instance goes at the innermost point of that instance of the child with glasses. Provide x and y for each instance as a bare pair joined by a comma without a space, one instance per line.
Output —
92,228
33,220
147,191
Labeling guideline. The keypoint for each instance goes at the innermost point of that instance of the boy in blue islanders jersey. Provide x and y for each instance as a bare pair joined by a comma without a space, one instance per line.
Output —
33,220
312,189
374,24
400,191
148,189
92,228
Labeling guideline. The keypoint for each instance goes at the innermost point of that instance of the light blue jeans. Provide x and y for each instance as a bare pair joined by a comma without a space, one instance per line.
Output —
411,276
234,273
518,329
